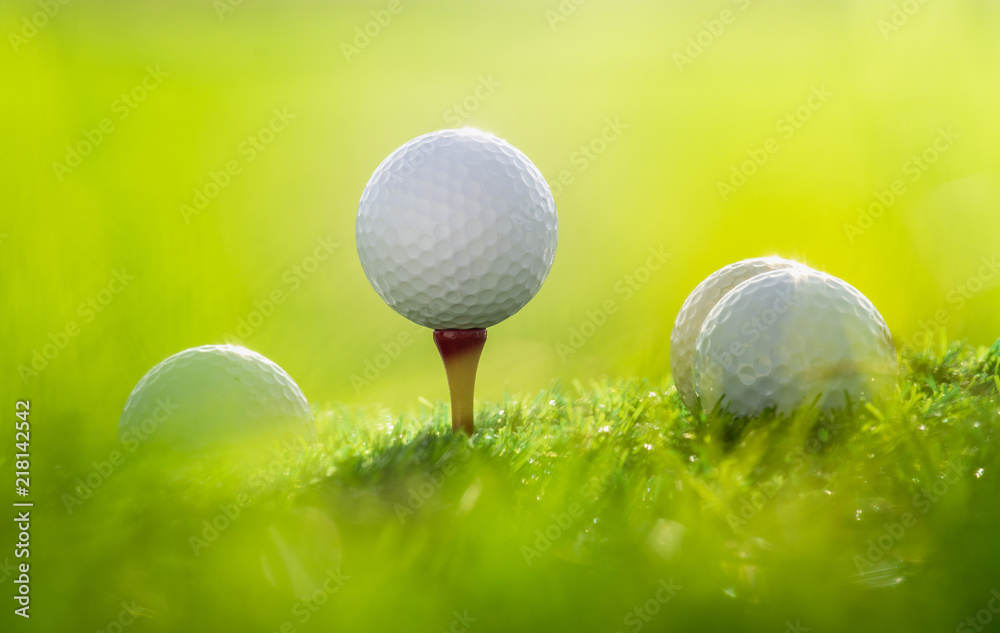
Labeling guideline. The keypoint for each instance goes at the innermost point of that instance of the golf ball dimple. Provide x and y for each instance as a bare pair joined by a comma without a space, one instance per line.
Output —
697,306
456,229
788,338
214,394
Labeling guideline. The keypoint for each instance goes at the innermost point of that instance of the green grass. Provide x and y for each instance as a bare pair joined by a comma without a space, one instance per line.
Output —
769,526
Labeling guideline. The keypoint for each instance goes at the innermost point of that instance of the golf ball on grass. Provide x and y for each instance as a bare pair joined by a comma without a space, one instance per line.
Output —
790,338
697,306
456,229
214,396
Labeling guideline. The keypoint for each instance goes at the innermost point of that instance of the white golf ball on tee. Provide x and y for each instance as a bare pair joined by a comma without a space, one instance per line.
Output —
456,229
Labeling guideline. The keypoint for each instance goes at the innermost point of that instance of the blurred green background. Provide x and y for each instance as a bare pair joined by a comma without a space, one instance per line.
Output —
550,78
114,115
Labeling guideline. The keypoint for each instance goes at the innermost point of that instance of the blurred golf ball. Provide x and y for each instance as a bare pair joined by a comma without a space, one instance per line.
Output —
788,338
214,395
456,230
697,306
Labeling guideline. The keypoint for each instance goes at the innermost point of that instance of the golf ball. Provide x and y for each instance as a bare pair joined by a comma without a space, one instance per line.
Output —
789,338
456,229
211,395
697,306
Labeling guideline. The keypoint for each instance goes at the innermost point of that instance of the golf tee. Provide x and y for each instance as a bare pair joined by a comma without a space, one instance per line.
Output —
460,351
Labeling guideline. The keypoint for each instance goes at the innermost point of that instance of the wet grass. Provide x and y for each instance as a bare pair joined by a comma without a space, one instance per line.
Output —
604,507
